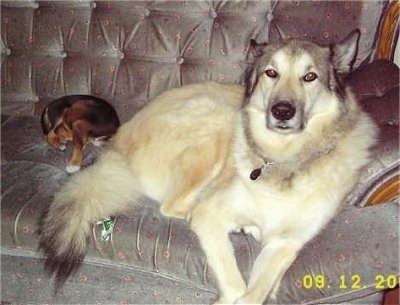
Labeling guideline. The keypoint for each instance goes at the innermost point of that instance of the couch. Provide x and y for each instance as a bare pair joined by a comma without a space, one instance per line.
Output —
127,52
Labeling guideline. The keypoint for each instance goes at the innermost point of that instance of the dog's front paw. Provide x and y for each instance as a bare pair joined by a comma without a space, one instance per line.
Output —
62,147
72,168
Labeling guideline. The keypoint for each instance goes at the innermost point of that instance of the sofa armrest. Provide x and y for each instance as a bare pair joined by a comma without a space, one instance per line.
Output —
376,86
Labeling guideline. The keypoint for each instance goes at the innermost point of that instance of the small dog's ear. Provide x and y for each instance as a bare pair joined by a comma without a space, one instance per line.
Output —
344,52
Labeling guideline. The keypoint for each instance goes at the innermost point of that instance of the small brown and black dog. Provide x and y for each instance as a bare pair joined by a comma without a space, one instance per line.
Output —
80,119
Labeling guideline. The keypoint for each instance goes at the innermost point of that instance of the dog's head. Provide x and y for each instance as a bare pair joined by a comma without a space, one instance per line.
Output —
293,80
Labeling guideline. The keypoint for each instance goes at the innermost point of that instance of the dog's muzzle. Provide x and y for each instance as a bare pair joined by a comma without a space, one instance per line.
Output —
284,117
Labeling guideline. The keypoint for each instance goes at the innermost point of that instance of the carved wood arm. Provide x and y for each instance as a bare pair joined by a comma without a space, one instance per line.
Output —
389,32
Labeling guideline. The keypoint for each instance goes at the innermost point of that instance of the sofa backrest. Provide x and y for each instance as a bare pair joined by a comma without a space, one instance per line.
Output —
129,51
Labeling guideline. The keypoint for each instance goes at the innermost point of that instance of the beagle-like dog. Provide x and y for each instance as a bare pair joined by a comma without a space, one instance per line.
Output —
80,119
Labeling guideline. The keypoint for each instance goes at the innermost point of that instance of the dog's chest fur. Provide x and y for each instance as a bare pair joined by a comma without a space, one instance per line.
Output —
282,203
286,196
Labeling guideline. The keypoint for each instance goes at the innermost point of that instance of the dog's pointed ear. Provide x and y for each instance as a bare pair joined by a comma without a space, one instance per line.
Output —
344,52
256,49
250,76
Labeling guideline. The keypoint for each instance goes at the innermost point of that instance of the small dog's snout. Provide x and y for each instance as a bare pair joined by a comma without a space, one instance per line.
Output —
283,111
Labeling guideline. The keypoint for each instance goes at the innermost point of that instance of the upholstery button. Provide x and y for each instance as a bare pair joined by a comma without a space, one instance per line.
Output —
213,14
121,55
379,92
180,60
270,17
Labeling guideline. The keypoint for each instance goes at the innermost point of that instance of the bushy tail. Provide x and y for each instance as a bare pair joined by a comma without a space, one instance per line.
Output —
107,188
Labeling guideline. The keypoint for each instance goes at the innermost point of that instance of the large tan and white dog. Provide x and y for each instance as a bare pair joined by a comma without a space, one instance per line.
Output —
275,158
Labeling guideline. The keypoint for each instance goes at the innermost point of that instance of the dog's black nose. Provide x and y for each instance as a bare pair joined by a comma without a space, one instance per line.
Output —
283,111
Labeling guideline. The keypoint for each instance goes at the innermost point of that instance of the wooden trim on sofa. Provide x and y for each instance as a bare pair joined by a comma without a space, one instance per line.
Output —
388,191
391,297
388,32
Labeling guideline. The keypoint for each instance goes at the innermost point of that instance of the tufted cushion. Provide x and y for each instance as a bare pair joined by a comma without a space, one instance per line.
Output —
122,51
128,52
327,21
378,80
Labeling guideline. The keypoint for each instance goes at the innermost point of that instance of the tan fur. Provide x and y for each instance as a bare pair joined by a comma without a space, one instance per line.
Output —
193,148
197,151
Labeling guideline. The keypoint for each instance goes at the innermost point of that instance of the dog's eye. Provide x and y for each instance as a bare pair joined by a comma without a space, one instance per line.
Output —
271,73
309,77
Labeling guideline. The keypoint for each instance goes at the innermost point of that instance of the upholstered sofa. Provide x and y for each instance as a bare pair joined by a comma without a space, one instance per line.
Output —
129,51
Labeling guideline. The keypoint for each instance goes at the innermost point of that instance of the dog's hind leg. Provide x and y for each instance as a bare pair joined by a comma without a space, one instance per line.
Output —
212,228
270,266
107,188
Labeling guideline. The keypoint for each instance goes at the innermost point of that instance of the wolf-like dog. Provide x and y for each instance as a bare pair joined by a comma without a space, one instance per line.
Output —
275,158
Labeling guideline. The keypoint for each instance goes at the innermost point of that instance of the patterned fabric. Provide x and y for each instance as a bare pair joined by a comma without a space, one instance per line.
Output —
327,21
129,51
